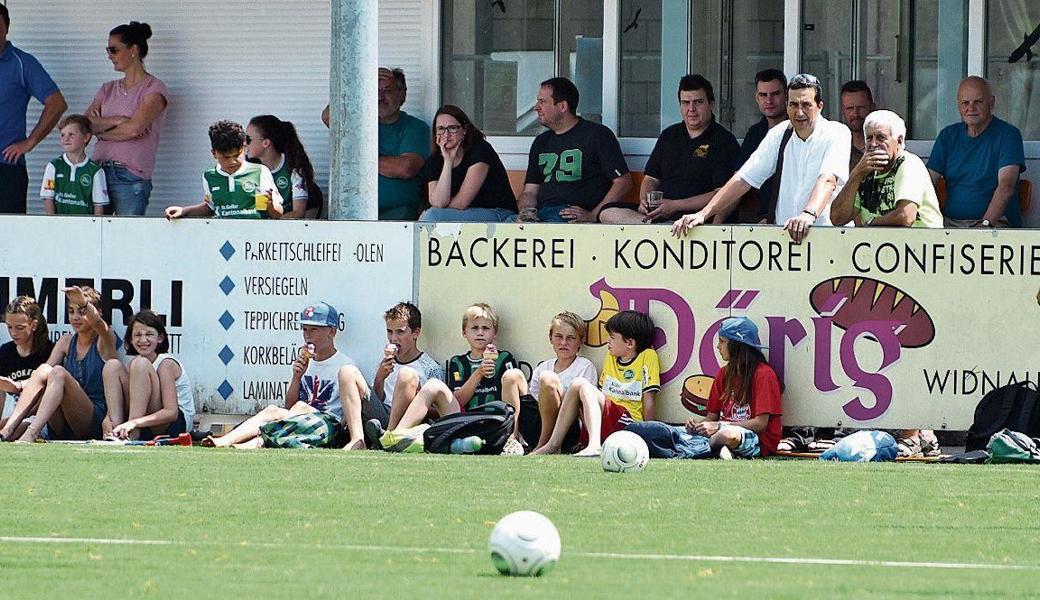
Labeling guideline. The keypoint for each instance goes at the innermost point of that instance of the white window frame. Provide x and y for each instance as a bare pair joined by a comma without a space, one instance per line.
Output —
638,148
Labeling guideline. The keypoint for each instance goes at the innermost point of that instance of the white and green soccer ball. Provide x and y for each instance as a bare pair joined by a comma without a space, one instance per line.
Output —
623,452
524,543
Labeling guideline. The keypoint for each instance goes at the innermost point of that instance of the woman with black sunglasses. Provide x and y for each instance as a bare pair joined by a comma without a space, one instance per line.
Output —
127,116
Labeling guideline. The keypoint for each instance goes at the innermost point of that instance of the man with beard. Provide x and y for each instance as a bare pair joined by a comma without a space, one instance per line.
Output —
857,102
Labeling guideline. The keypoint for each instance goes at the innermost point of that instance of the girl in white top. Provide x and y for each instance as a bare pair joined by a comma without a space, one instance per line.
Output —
154,396
551,378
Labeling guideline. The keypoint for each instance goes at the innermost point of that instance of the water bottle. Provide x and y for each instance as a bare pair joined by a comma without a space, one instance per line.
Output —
467,445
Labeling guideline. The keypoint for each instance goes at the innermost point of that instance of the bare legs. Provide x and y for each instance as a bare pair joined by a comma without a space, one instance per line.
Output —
246,435
584,396
27,403
550,397
514,385
434,395
352,388
63,405
133,393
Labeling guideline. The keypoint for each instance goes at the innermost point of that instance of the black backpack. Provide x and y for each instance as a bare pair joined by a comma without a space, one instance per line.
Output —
1011,407
492,422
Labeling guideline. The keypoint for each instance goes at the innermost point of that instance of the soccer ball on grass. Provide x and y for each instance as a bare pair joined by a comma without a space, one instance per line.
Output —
625,451
524,543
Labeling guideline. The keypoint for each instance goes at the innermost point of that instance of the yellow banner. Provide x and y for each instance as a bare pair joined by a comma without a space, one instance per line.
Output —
878,328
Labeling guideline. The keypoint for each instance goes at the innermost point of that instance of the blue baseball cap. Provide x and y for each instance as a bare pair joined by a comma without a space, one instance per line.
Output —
319,314
740,329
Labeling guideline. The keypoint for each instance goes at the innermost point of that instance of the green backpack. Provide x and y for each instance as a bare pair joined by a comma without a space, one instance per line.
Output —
1008,446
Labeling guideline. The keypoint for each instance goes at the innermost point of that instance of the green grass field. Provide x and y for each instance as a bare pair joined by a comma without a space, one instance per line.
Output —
310,524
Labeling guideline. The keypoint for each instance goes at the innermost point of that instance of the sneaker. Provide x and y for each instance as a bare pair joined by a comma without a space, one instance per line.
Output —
513,447
909,447
929,443
373,430
725,453
404,439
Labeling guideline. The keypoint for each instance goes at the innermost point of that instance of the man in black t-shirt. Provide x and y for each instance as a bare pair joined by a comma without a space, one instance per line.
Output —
771,98
574,169
690,161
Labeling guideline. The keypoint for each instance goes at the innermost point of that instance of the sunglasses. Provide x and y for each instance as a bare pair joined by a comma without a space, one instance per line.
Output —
113,50
249,139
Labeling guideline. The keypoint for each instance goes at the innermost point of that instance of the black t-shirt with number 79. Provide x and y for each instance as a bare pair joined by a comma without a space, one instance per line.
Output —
576,167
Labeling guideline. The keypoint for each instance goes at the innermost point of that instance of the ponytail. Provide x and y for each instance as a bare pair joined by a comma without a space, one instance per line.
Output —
287,143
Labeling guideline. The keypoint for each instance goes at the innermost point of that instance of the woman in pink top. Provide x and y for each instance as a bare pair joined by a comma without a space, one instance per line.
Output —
127,116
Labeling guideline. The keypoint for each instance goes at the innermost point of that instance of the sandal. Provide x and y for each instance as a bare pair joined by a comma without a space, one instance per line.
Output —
908,447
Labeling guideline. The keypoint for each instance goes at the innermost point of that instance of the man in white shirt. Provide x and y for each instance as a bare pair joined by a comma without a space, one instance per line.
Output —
814,166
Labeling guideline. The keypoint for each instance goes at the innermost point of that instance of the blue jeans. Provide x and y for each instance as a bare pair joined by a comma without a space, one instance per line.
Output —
670,441
127,192
466,215
546,214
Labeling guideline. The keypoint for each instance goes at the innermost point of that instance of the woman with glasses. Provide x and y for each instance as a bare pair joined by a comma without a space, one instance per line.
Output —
154,396
274,143
127,117
465,177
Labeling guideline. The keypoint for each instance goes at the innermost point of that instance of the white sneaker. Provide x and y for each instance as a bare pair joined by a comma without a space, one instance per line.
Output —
513,447
725,453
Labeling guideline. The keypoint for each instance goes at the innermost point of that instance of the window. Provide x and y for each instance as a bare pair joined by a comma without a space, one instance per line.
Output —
733,40
495,53
1012,33
909,52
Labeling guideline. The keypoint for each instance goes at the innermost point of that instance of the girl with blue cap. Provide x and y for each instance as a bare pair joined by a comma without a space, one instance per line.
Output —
744,406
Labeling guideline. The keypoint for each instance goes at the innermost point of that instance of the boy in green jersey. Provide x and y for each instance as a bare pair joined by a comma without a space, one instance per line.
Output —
72,183
234,188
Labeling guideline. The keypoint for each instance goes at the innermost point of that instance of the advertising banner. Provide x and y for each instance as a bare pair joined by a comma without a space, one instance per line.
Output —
231,291
867,328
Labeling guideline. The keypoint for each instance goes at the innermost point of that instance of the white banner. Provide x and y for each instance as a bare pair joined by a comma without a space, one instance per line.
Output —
231,291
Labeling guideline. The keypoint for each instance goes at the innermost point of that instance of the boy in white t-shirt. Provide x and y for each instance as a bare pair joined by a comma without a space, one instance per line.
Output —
323,381
402,372
551,378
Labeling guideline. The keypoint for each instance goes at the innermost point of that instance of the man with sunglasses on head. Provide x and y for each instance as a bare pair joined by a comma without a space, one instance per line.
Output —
21,77
809,156
404,141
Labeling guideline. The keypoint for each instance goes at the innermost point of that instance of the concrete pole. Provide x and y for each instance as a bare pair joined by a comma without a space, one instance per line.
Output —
354,114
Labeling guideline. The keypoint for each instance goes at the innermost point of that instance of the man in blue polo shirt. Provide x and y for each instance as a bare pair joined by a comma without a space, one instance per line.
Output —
981,158
21,76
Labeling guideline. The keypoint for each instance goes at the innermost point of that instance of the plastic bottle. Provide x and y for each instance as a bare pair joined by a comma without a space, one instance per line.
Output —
467,445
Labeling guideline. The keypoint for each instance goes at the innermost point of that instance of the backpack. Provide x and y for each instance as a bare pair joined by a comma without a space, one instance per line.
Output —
1008,446
1011,407
492,422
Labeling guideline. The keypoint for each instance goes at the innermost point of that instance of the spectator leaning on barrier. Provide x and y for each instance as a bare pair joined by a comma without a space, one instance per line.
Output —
574,169
981,158
857,101
21,77
771,98
813,154
889,186
690,161
274,143
127,116
465,177
233,188
403,142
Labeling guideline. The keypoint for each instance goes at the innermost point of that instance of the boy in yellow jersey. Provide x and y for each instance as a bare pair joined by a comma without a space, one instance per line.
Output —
234,188
628,386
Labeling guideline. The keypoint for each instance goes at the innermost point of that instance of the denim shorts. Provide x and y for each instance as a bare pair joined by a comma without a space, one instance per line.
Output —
127,193
748,447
